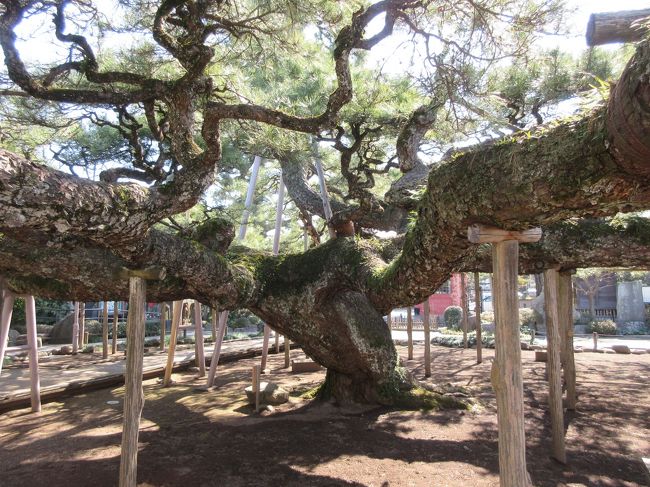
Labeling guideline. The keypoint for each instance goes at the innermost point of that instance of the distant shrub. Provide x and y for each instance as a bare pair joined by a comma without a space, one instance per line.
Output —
453,317
487,317
606,327
527,317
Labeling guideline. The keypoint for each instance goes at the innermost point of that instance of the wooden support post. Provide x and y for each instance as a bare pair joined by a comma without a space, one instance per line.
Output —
223,323
623,26
595,337
75,329
198,339
116,318
32,342
213,324
133,394
409,331
265,347
327,209
256,386
105,331
287,352
82,325
7,311
277,342
176,322
248,204
477,311
506,375
551,279
427,339
565,300
463,302
163,326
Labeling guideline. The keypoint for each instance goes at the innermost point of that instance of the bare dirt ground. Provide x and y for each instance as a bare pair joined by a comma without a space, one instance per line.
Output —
190,438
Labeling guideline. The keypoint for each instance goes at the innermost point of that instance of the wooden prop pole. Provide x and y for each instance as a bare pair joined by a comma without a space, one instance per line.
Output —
248,204
216,352
256,386
163,326
82,325
32,342
477,312
213,323
463,302
105,331
623,26
265,347
116,318
551,279
176,322
427,339
565,300
287,352
409,331
199,350
7,311
75,329
325,197
133,394
506,375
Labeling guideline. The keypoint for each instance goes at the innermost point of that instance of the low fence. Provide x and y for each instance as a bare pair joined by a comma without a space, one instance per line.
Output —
601,314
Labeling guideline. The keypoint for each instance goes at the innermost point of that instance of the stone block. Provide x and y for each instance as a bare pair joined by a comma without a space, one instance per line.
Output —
270,393
624,349
541,355
298,366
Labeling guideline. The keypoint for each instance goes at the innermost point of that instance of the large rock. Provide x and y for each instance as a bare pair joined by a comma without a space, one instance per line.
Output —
62,330
621,349
270,393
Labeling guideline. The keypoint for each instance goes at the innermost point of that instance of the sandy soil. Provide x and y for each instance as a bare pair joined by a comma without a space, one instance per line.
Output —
191,438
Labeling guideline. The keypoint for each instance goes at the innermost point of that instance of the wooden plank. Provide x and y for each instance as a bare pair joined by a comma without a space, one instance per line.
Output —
5,322
116,318
551,283
409,331
487,234
75,328
176,321
32,342
477,311
611,27
133,394
216,352
427,338
506,375
565,303
198,339
105,331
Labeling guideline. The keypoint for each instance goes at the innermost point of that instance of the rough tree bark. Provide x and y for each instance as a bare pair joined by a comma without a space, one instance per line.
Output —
70,239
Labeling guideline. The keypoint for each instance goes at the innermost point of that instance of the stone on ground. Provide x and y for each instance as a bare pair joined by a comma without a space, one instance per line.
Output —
270,393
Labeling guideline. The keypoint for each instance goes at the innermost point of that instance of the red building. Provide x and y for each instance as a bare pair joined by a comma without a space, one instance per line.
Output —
449,294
